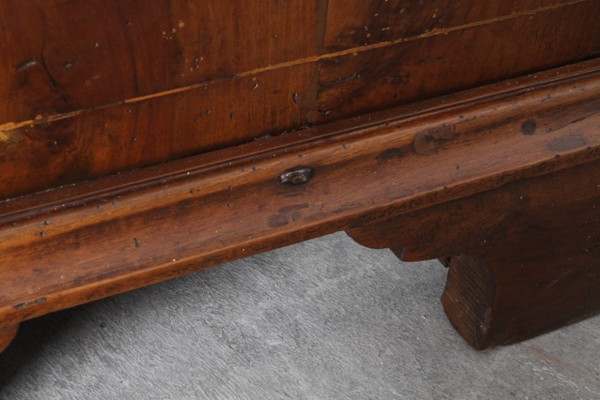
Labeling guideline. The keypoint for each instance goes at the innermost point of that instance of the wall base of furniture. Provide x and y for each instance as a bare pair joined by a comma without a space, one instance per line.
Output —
503,179
523,259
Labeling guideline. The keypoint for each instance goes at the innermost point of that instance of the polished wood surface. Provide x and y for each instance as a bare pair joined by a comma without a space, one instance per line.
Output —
439,47
142,140
524,258
539,266
91,88
79,243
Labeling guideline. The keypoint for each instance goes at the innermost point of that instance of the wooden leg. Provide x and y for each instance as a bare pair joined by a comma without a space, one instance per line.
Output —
492,303
524,259
7,334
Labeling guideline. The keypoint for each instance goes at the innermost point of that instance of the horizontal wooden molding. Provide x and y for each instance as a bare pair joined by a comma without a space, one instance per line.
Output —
74,244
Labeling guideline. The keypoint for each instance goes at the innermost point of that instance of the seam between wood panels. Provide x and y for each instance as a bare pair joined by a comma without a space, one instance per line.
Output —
41,119
323,9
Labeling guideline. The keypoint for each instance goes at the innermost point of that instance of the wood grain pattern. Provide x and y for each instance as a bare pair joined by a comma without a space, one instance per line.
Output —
64,56
363,23
524,259
150,113
104,141
73,245
417,67
544,258
94,88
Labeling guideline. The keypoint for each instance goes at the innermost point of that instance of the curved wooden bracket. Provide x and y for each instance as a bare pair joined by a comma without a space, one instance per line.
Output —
524,258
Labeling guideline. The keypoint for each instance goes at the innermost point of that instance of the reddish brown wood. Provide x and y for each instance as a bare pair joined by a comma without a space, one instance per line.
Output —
7,334
75,244
103,141
67,56
454,50
352,23
91,88
543,271
94,87
525,258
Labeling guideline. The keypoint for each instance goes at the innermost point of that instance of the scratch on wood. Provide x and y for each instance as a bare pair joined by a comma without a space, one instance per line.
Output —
39,119
26,64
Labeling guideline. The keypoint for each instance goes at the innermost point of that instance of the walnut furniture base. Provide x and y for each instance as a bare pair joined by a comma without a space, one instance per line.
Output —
502,182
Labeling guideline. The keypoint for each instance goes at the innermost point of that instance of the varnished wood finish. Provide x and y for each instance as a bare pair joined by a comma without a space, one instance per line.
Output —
433,48
164,122
525,258
103,141
91,88
538,269
365,23
79,243
62,56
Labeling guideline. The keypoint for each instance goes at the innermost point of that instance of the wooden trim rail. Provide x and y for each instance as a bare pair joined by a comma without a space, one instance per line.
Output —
78,243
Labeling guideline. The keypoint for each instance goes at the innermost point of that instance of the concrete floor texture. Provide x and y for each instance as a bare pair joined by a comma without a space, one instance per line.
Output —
323,319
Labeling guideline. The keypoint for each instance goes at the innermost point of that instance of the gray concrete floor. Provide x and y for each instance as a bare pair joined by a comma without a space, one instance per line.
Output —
323,319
